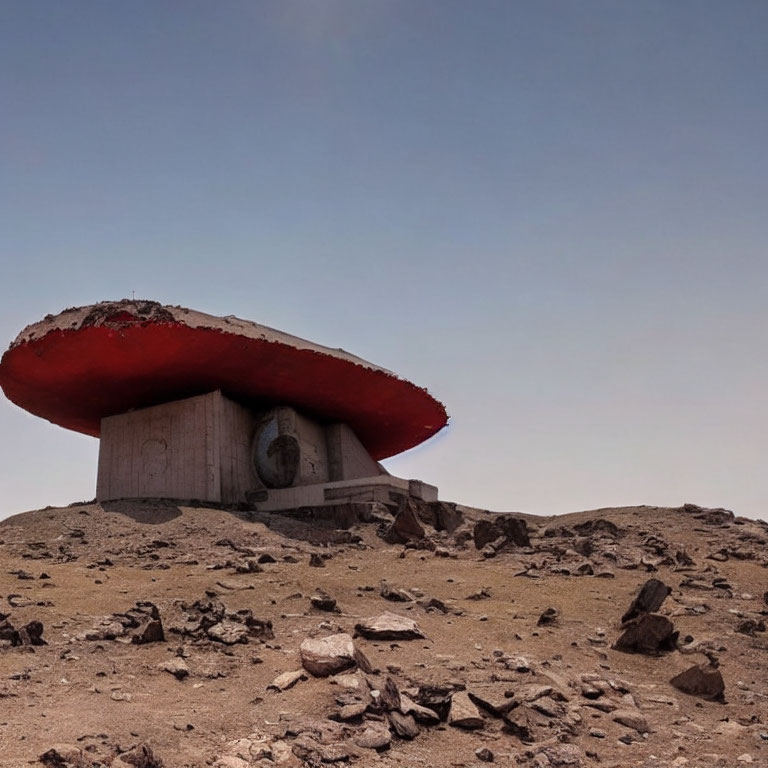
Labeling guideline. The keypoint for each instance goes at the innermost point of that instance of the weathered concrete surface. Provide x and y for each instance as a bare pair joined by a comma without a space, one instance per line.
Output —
197,448
213,449
347,458
289,449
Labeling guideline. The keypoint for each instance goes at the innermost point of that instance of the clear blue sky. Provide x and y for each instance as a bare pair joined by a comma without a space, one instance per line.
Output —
554,215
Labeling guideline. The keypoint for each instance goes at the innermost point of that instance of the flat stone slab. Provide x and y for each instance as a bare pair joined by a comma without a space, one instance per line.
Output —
389,626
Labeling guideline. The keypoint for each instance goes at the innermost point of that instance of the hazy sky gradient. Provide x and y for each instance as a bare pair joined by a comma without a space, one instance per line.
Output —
554,215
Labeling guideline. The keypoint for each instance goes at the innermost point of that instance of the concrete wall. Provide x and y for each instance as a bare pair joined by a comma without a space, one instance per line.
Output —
198,448
204,448
235,433
313,467
347,458
168,450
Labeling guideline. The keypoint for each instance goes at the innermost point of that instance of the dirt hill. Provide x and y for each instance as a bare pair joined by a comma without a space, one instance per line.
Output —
148,634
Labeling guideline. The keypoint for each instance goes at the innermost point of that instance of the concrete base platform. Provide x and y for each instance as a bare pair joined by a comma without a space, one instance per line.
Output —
386,489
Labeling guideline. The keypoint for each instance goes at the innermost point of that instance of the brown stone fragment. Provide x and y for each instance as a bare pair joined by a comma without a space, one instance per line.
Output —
648,600
518,723
549,616
402,725
492,700
702,680
511,530
374,736
405,527
140,756
422,714
61,756
390,695
463,713
327,655
649,634
150,632
389,626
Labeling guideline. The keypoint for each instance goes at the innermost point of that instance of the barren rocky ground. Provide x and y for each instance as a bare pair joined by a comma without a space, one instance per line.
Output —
148,634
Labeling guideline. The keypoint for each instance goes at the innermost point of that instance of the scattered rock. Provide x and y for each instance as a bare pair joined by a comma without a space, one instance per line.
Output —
404,726
228,632
61,756
327,655
210,619
312,751
649,633
702,680
750,627
421,714
176,667
388,592
375,735
322,601
440,515
508,530
405,527
231,761
563,755
463,713
548,617
598,527
140,756
389,626
353,711
631,718
493,700
518,723
648,600
287,680
150,629
29,634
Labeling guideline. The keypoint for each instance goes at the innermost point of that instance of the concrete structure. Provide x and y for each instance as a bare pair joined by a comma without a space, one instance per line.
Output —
210,448
197,448
190,406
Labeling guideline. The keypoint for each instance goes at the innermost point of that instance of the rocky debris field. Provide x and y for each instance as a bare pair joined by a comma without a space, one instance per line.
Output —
149,635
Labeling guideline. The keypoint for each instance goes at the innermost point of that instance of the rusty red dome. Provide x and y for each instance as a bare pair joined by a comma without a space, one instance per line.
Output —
86,363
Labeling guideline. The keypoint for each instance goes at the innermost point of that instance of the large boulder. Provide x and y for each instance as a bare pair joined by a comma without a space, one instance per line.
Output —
406,526
648,600
702,680
441,515
650,634
512,530
323,656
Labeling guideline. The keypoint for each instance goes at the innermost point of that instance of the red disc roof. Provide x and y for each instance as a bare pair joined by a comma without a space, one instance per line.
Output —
89,362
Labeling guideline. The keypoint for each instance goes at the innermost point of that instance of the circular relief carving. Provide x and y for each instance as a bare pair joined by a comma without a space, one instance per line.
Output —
276,455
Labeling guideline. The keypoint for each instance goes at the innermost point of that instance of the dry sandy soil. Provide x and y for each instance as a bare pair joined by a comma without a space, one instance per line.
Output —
71,568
